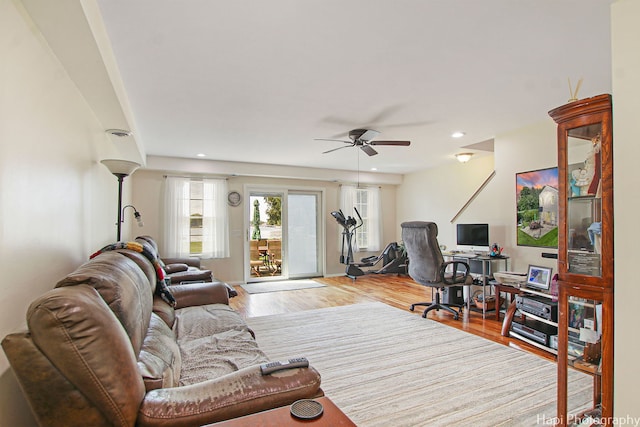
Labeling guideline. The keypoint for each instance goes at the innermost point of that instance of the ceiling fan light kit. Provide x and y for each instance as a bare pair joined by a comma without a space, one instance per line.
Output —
363,138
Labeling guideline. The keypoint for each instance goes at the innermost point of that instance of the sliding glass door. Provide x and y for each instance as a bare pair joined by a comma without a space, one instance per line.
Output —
283,234
303,234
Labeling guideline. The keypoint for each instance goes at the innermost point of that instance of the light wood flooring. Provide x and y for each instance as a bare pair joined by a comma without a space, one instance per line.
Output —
396,290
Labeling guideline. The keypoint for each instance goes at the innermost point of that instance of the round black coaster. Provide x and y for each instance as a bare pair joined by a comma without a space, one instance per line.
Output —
306,409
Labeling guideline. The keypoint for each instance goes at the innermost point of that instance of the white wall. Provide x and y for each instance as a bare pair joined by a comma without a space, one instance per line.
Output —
626,152
57,203
438,194
148,192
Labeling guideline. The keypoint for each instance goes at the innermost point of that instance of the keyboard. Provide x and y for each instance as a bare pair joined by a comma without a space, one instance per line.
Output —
465,255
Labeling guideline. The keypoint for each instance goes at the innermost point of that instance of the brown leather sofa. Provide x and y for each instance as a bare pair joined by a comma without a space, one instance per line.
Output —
102,350
183,269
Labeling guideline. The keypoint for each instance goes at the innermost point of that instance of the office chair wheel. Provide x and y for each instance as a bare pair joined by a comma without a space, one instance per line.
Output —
412,307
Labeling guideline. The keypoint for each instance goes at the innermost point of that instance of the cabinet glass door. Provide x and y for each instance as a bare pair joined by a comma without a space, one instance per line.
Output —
584,195
584,356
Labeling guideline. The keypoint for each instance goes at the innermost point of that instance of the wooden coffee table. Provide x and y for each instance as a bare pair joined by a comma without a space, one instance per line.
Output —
332,416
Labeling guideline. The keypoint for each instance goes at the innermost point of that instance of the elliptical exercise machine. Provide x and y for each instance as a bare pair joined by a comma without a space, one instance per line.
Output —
394,259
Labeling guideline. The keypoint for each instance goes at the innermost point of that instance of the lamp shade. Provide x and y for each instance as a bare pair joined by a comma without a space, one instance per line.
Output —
120,167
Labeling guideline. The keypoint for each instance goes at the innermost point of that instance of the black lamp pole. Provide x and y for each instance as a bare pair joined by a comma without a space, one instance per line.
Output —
121,169
120,177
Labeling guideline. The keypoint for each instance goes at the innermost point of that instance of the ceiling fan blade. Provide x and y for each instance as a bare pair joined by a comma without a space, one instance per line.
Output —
369,135
335,149
335,140
401,143
367,149
407,124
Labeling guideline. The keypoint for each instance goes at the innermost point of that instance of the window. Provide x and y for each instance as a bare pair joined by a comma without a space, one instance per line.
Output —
361,203
196,220
367,202
196,216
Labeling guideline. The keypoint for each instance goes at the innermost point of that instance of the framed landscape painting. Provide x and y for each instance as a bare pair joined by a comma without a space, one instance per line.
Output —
537,208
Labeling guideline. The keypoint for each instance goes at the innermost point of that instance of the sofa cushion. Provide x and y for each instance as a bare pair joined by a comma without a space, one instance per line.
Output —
159,360
165,311
123,286
214,341
144,264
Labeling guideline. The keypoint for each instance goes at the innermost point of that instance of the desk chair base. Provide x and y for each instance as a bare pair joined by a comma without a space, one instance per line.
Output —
437,305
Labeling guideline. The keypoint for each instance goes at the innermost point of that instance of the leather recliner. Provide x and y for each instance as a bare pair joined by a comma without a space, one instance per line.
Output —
182,270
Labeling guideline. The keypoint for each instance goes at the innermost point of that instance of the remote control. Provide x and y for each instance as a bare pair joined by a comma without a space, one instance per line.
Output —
268,368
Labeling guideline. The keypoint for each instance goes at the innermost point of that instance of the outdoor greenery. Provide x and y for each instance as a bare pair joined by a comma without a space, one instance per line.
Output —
528,205
549,240
195,247
274,210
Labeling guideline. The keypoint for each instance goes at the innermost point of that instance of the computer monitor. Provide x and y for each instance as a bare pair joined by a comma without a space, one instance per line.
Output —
472,237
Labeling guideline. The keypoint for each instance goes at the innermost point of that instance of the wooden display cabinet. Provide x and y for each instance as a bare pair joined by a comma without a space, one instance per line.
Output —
585,254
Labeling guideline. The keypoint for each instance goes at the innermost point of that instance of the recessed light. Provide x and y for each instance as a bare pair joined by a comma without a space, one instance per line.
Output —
374,169
457,134
201,155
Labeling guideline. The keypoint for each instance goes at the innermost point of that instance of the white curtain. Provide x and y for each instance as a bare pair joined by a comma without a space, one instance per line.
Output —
375,219
349,199
177,221
215,223
176,217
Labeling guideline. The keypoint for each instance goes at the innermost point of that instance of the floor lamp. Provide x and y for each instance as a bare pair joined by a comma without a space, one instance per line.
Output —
121,169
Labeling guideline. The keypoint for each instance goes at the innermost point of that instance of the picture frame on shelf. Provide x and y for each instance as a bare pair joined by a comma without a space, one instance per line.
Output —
539,277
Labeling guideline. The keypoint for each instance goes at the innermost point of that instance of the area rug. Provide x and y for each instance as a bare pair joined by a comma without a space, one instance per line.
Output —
284,285
388,367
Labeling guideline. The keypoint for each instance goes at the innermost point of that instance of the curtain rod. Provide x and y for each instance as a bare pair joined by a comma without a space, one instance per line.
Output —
361,185
197,177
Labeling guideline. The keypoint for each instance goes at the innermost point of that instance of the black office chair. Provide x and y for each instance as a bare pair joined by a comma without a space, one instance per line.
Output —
427,265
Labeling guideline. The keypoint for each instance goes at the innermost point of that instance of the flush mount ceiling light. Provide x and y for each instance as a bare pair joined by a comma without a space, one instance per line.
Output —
464,157
120,133
457,134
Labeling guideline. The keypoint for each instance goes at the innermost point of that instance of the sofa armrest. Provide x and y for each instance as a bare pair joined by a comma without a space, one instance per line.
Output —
175,268
240,393
190,261
193,294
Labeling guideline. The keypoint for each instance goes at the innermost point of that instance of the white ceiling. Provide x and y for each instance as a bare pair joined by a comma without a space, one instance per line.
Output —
257,81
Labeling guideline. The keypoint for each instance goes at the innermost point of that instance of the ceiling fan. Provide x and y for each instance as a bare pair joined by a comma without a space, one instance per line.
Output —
363,138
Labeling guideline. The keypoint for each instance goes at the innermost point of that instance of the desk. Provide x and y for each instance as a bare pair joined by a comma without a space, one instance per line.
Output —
507,289
332,416
511,311
480,264
511,306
